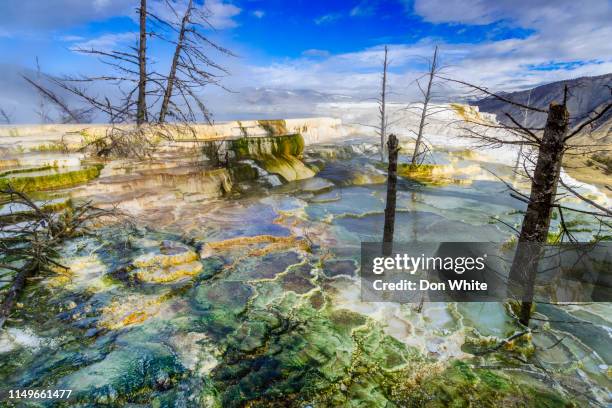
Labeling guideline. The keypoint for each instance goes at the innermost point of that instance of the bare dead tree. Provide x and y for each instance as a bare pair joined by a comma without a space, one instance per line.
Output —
67,114
191,69
545,148
382,108
536,222
550,144
141,110
129,77
5,116
30,247
433,72
140,87
175,60
389,227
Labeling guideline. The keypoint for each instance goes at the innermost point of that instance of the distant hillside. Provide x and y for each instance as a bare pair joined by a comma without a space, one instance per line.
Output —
586,94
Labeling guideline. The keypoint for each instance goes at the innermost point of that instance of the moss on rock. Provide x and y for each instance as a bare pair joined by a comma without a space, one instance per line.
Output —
254,147
431,174
52,181
274,126
288,167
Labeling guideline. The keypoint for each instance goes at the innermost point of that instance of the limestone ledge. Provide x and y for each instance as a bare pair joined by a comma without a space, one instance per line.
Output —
62,137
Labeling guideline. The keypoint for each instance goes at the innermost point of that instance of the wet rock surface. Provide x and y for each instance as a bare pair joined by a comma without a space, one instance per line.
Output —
251,298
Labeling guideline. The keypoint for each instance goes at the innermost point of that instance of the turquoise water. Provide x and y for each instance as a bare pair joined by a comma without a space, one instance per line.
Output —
179,309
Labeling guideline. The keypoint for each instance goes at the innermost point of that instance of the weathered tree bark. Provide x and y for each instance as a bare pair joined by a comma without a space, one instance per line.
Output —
427,98
141,104
537,218
383,108
392,146
10,298
175,60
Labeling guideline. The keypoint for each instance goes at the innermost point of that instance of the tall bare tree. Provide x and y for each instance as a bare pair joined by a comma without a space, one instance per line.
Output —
389,227
163,111
128,78
141,109
549,144
427,95
382,107
191,68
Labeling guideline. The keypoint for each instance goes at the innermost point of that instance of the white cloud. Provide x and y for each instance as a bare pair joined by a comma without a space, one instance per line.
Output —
313,52
500,65
563,32
259,13
327,18
25,16
71,38
364,8
526,13
106,42
222,14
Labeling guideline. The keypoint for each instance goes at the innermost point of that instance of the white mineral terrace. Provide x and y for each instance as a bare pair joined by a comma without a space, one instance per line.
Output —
39,145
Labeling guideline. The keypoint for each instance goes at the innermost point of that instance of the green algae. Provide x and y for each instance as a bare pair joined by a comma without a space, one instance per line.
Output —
243,129
27,170
420,172
276,154
52,181
253,147
571,227
288,167
424,173
293,355
50,147
241,172
273,126
461,385
276,348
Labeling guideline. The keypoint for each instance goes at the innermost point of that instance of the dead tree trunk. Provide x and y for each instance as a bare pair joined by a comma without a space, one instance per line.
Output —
383,108
10,298
175,60
537,218
427,98
392,146
141,108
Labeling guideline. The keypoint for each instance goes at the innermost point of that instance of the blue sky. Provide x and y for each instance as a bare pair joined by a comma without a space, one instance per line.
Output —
329,47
